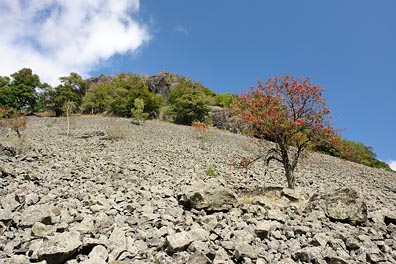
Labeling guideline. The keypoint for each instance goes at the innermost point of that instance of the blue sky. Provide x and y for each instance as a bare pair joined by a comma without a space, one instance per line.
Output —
348,47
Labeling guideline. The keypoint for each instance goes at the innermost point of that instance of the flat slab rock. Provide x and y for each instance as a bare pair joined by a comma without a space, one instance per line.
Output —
208,198
59,248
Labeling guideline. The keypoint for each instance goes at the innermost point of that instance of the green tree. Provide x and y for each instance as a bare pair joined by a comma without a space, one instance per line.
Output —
360,153
188,102
45,97
72,88
6,98
98,99
19,92
118,96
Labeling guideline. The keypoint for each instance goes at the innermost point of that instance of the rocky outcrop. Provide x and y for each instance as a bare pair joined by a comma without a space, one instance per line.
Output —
161,83
147,198
98,80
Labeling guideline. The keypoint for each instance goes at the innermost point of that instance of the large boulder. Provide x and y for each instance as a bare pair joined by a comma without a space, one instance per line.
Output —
59,248
219,116
36,213
207,197
343,205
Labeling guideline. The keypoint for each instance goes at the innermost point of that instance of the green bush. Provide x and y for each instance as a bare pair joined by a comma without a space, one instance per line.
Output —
189,108
211,171
137,112
225,100
188,102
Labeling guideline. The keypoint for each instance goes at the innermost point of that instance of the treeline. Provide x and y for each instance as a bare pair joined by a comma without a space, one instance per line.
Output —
188,100
128,95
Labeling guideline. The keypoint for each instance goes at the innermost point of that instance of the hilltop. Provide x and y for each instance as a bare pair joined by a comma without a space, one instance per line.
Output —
114,192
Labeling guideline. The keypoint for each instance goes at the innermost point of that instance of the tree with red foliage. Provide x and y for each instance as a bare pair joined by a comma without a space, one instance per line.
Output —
290,112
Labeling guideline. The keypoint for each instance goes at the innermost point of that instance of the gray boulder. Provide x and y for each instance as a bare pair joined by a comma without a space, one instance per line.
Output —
179,241
34,214
308,254
59,248
199,258
245,251
41,230
209,198
264,228
219,116
343,205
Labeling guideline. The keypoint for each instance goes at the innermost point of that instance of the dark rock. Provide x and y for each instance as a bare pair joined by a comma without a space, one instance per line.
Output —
7,151
390,218
219,116
6,171
161,83
98,80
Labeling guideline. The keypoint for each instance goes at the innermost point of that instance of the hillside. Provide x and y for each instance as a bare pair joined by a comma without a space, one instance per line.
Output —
147,198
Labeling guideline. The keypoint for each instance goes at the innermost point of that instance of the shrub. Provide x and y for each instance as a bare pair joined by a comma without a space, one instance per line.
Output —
13,121
225,100
116,132
201,131
211,172
189,108
16,123
137,112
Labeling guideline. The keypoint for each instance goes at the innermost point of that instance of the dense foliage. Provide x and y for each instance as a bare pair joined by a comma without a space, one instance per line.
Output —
189,101
117,97
19,91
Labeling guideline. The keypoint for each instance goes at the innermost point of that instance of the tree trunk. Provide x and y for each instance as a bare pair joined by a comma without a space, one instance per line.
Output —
68,122
291,182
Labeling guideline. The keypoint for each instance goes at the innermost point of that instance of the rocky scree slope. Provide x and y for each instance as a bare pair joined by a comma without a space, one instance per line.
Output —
147,198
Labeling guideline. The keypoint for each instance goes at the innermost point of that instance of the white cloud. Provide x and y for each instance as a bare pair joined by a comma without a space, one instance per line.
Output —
182,29
56,37
392,164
